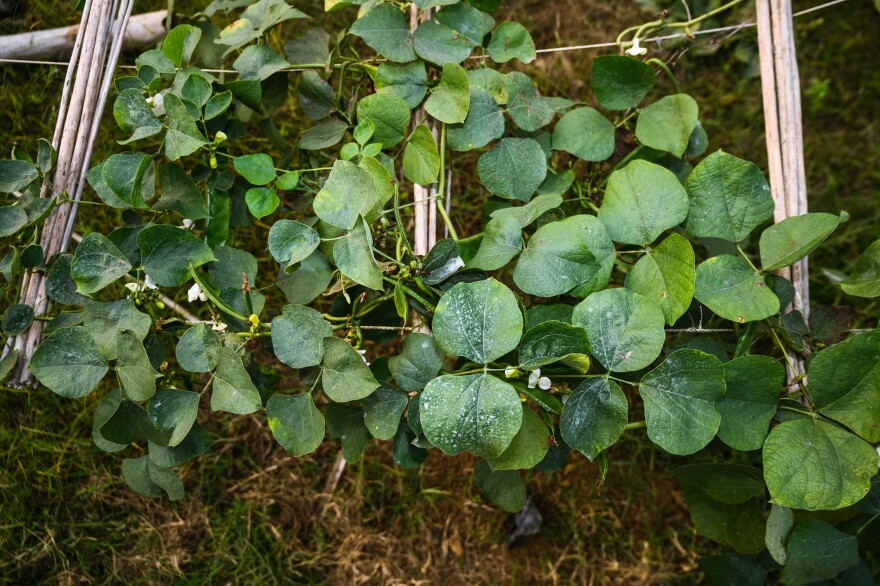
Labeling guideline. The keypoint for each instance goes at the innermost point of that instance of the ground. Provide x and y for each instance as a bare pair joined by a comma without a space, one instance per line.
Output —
253,514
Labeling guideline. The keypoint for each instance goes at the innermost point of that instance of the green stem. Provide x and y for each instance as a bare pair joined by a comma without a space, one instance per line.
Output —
668,72
743,254
212,296
635,425
428,305
399,221
440,200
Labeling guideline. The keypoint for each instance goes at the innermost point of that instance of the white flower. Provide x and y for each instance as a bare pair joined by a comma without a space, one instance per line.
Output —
217,327
878,452
158,100
636,49
544,383
195,292
534,376
220,137
150,101
149,283
510,372
133,287
187,223
363,354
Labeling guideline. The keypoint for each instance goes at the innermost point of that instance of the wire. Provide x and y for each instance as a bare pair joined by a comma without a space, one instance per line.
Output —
709,31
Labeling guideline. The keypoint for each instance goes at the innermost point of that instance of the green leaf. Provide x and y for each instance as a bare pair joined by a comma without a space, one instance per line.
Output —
135,372
511,41
198,349
69,363
353,254
680,397
174,412
490,80
439,44
502,240
15,175
97,263
326,134
103,412
308,281
130,177
291,242
732,484
525,105
346,424
261,201
136,473
514,168
572,255
794,238
625,329
407,80
197,442
257,169
813,465
528,447
845,383
584,133
463,18
169,253
667,124
421,161
180,42
183,137
384,408
217,104
389,114
232,267
504,487
316,96
641,201
476,413
480,321
594,416
179,193
12,219
105,321
133,115
130,423
621,82
298,336
818,551
345,376
258,62
450,100
732,569
484,123
732,289
865,278
530,212
407,455
553,341
740,526
666,274
779,524
17,318
754,384
233,392
385,29
312,47
419,361
729,198
296,423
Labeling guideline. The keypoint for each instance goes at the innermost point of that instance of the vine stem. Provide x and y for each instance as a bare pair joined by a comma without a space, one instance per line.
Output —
635,425
441,205
661,22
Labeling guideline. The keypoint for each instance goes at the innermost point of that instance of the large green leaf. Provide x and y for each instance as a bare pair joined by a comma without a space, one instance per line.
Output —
346,424
15,175
298,336
729,198
258,62
625,329
291,242
480,321
666,274
794,238
502,240
169,253
503,487
105,409
437,43
183,137
345,376
421,160
353,254
324,135
180,42
484,123
732,569
845,384
384,408
732,289
130,423
728,483
419,362
779,524
584,133
528,213
385,29
179,193
69,363
525,105
641,201
754,384
865,278
308,281
133,115
232,267
234,391
198,349
316,96
105,321
553,341
174,413
814,465
258,169
475,413
348,193
12,219
407,80
511,40
450,100
594,416
463,18
514,168
295,422
621,82
741,526
133,367
818,551
528,447
97,263
389,114
667,124
128,177
197,442
680,397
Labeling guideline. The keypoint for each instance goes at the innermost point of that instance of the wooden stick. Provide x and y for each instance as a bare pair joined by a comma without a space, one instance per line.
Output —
421,195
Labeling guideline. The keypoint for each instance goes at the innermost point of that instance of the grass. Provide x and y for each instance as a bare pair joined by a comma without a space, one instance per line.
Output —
253,514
